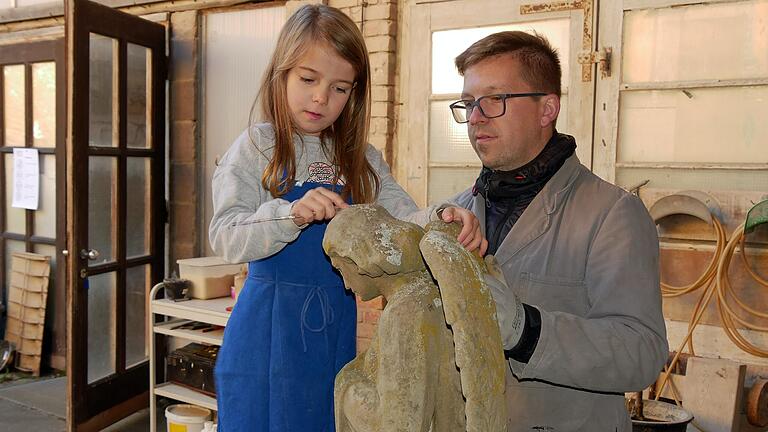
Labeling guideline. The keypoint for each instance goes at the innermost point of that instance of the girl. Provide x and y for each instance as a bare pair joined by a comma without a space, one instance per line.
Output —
293,327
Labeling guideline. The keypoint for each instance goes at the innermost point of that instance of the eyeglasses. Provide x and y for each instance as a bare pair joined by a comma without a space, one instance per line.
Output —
491,106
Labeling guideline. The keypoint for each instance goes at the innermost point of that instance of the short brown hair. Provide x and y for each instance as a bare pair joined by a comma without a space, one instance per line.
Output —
540,62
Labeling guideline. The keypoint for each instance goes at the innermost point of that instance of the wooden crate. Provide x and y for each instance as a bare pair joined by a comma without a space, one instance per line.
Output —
27,297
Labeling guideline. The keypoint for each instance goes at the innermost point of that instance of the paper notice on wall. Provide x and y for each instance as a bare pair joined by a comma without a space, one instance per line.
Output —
26,178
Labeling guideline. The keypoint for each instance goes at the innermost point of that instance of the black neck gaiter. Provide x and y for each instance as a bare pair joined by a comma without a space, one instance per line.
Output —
508,193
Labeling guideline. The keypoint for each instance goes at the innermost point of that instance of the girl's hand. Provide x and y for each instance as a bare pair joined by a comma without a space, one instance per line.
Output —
316,205
470,236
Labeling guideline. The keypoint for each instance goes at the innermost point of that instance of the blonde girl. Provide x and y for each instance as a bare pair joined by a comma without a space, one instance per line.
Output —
275,189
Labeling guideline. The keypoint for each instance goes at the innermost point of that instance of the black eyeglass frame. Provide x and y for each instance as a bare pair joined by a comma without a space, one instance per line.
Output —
476,104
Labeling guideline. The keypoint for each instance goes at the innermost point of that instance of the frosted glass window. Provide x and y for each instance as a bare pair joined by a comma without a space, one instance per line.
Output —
102,329
448,140
102,196
13,99
448,44
102,89
696,42
138,199
692,126
15,218
45,215
44,104
138,86
447,182
236,49
136,290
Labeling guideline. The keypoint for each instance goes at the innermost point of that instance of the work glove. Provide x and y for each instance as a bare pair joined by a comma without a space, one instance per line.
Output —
509,309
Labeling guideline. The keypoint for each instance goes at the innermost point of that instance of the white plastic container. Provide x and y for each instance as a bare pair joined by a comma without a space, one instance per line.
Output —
211,276
186,418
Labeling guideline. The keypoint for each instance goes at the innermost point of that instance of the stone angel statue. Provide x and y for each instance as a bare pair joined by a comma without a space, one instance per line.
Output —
436,362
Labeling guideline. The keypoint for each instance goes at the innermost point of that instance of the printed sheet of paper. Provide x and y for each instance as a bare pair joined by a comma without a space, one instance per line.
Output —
26,178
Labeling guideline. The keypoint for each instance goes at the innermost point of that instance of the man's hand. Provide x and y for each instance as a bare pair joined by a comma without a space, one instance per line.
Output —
509,309
470,236
316,205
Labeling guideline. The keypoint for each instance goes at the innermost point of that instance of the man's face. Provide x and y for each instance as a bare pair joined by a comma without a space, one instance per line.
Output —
514,139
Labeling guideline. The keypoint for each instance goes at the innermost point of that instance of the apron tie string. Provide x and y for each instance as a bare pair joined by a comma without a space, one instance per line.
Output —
326,312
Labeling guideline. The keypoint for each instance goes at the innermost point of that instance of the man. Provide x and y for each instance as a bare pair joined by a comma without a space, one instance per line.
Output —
581,321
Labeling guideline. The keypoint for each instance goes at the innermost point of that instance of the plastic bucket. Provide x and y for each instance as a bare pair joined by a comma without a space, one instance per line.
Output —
186,418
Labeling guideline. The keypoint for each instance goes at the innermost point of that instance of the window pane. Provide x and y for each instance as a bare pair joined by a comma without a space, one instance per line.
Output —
447,182
45,216
102,197
696,42
13,97
137,207
692,126
448,140
136,290
102,115
44,104
138,85
15,218
448,44
102,333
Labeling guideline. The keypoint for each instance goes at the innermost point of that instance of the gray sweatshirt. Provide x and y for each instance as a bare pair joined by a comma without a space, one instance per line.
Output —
239,198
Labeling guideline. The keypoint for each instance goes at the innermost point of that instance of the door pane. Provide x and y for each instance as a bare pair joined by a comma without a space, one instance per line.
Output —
44,104
692,126
13,97
102,208
696,42
138,84
102,89
448,44
45,216
137,207
102,327
136,289
15,218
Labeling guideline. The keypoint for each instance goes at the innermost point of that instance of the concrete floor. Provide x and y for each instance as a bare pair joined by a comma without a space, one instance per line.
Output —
39,404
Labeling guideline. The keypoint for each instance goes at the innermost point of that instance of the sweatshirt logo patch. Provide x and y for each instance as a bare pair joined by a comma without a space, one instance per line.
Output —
321,172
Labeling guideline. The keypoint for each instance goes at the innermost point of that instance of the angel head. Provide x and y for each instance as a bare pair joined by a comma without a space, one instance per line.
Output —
366,244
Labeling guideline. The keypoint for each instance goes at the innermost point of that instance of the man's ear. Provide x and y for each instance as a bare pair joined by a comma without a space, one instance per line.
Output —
550,109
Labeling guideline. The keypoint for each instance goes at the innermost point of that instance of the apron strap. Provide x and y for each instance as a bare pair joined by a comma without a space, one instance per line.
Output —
326,312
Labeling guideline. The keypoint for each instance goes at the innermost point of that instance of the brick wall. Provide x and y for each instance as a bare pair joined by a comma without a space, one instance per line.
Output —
184,166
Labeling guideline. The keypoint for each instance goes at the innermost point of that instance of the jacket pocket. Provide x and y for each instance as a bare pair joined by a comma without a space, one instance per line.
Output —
555,293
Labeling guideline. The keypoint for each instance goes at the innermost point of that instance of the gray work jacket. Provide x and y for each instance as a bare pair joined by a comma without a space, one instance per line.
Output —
586,254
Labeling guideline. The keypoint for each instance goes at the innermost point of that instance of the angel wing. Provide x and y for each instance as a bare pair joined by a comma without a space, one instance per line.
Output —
471,313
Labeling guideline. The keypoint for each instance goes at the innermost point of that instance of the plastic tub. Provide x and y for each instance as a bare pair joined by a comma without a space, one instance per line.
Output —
211,277
186,418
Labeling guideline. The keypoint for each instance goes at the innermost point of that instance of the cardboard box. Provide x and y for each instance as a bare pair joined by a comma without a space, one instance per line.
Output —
211,277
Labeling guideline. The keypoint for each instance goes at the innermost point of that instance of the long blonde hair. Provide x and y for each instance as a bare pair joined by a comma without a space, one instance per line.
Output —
313,24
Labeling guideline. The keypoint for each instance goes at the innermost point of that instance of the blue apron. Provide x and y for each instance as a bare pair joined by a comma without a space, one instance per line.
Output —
292,329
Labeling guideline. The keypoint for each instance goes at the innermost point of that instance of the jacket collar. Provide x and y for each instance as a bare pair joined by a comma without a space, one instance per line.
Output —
536,219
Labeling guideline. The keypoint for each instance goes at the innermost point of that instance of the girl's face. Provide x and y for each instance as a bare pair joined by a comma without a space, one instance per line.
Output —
318,87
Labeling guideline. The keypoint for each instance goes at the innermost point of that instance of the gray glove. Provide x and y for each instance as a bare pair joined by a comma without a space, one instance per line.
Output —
509,309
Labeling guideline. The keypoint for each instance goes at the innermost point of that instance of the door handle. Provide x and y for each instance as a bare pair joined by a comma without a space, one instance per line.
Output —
91,254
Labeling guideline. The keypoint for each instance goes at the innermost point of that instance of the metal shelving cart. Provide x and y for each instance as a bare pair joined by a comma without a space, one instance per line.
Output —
212,311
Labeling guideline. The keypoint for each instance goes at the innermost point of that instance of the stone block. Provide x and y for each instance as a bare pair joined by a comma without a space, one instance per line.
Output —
183,178
382,68
381,93
380,27
183,60
184,25
183,100
381,44
381,11
184,140
381,109
183,223
341,4
379,126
